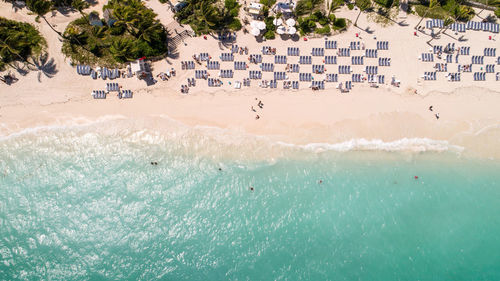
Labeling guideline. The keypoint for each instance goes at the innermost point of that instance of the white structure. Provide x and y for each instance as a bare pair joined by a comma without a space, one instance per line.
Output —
254,8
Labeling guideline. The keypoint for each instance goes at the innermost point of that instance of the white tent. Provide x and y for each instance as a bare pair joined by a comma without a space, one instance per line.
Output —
261,25
255,31
281,30
277,22
290,22
292,30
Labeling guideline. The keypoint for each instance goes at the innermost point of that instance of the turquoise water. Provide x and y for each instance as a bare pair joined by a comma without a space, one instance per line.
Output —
80,205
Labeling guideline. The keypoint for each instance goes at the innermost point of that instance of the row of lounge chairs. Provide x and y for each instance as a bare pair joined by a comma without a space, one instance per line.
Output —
226,73
348,85
454,77
187,65
380,79
83,69
490,68
200,74
329,44
357,78
305,60
449,58
441,67
280,76
384,61
112,87
431,76
246,82
98,94
490,52
355,45
191,82
427,57
344,69
319,85
450,47
234,49
293,51
484,26
344,52
305,76
370,69
318,52
459,27
213,82
125,94
465,68
479,76
332,77
240,65
255,58
293,68
382,45
280,59
226,57
273,84
266,66
477,59
226,36
108,73
318,68
204,57
437,49
213,65
498,60
464,51
255,74
267,50
330,60
371,53
357,60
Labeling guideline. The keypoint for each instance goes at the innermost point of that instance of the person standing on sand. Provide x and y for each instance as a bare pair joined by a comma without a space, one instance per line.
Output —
430,108
257,117
437,116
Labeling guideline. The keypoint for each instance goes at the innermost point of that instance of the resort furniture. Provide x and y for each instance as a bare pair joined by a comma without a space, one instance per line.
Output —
477,59
330,60
479,76
318,68
112,87
490,52
226,57
98,94
226,73
279,59
332,77
355,45
330,44
382,45
240,65
293,68
305,60
200,74
318,52
305,77
267,67
254,74
384,61
344,52
318,85
344,69
371,53
357,60
490,68
293,51
213,65
280,76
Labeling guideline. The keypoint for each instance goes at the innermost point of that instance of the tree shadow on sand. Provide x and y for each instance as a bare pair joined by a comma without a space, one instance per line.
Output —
44,66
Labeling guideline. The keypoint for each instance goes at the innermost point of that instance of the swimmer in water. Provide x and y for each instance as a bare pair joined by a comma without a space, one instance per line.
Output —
251,188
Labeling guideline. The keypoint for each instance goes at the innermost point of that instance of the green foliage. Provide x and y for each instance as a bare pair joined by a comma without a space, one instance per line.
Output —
350,6
269,34
331,17
340,23
18,42
497,13
39,7
268,3
136,33
324,30
363,5
385,3
307,6
205,16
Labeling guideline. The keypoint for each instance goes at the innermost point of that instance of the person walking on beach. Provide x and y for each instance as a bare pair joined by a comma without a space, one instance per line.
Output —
257,117
430,108
253,109
437,116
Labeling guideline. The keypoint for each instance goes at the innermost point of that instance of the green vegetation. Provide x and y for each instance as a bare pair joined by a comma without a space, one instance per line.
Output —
19,41
205,16
317,21
441,9
134,32
497,13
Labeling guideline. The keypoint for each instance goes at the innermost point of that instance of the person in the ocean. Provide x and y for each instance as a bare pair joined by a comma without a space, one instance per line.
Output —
220,169
320,181
251,188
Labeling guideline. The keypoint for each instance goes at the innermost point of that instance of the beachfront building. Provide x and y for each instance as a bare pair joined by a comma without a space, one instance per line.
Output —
254,9
284,7
138,68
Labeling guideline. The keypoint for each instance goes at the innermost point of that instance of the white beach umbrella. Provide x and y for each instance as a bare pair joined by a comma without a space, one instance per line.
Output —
253,24
277,22
261,25
255,31
281,30
292,30
290,22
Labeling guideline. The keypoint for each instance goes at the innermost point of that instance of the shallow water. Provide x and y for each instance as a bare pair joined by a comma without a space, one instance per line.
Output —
85,203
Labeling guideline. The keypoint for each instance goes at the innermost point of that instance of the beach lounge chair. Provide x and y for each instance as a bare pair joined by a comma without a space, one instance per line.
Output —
213,65
234,48
332,77
369,69
226,73
318,85
305,59
330,44
267,67
344,52
200,74
255,58
112,87
279,59
371,53
93,74
381,79
280,75
330,60
98,94
293,51
490,52
357,78
344,69
430,76
357,60
255,74
318,68
240,65
490,68
318,52
204,57
479,76
305,77
125,94
295,85
477,59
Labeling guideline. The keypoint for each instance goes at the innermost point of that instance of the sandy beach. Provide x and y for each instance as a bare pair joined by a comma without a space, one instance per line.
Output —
468,110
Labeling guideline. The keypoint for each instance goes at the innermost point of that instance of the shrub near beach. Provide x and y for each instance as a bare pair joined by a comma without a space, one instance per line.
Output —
19,41
127,31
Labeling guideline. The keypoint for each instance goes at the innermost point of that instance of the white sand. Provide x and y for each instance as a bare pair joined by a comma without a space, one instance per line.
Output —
469,114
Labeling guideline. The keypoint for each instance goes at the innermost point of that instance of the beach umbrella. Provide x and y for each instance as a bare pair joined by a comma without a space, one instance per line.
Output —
261,25
281,30
290,22
277,22
255,31
253,24
292,30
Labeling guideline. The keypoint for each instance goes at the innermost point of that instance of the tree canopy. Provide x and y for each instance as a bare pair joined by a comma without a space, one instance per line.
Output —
134,32
18,42
205,16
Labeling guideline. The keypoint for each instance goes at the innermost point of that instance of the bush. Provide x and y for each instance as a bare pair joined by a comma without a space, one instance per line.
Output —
340,23
235,25
323,21
268,3
331,17
497,13
350,6
323,30
269,34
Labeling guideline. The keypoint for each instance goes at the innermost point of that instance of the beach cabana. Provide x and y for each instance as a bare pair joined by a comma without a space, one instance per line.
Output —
254,8
138,67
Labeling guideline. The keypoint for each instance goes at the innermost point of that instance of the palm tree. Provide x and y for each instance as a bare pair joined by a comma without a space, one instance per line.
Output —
40,8
122,49
363,5
80,5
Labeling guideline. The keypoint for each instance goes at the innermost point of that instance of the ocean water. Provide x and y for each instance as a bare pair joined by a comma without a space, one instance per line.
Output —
85,203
